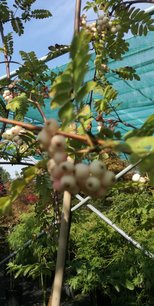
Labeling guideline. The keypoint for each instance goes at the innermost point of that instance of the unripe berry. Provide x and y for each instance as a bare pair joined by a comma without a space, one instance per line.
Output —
51,165
97,168
60,157
44,139
110,23
113,29
118,26
81,171
67,167
58,143
108,179
68,183
93,184
51,127
83,22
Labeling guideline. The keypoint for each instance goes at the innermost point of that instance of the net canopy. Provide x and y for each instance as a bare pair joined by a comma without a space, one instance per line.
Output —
135,100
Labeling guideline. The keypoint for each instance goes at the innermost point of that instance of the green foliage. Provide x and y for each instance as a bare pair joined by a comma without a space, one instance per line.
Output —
17,25
8,44
127,73
19,105
3,111
102,259
4,11
66,91
41,14
140,21
4,175
109,94
36,252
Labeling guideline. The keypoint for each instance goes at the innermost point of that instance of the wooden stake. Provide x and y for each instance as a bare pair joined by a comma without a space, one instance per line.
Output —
55,296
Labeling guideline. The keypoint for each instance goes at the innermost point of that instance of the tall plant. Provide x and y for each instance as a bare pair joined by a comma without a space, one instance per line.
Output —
69,92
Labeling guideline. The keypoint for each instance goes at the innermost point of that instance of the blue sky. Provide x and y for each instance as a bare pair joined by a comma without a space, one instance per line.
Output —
39,34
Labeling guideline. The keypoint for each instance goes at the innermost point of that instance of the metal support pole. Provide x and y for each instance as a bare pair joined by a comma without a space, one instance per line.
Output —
120,231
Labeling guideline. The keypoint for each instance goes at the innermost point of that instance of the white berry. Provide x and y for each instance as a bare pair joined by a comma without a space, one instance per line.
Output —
93,184
60,157
113,29
51,165
58,143
44,139
97,168
68,183
67,167
136,177
81,171
51,127
108,179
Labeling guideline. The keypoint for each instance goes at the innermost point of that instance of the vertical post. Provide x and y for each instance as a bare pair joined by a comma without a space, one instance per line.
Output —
55,295
77,16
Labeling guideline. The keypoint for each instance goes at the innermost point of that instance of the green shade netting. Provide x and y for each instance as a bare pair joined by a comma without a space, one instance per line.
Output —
136,98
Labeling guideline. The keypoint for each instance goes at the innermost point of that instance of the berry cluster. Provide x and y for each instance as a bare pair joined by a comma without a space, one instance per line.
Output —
7,95
91,28
104,23
13,134
92,179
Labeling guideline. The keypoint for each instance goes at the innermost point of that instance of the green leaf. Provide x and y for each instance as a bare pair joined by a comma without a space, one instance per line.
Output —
41,14
141,145
17,25
19,105
8,43
66,113
129,285
84,90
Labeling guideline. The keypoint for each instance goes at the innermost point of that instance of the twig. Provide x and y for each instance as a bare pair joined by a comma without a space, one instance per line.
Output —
16,163
39,109
12,62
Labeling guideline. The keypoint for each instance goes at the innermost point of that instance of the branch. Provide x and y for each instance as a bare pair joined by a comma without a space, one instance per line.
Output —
12,62
39,109
28,126
120,120
5,53
22,124
16,163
